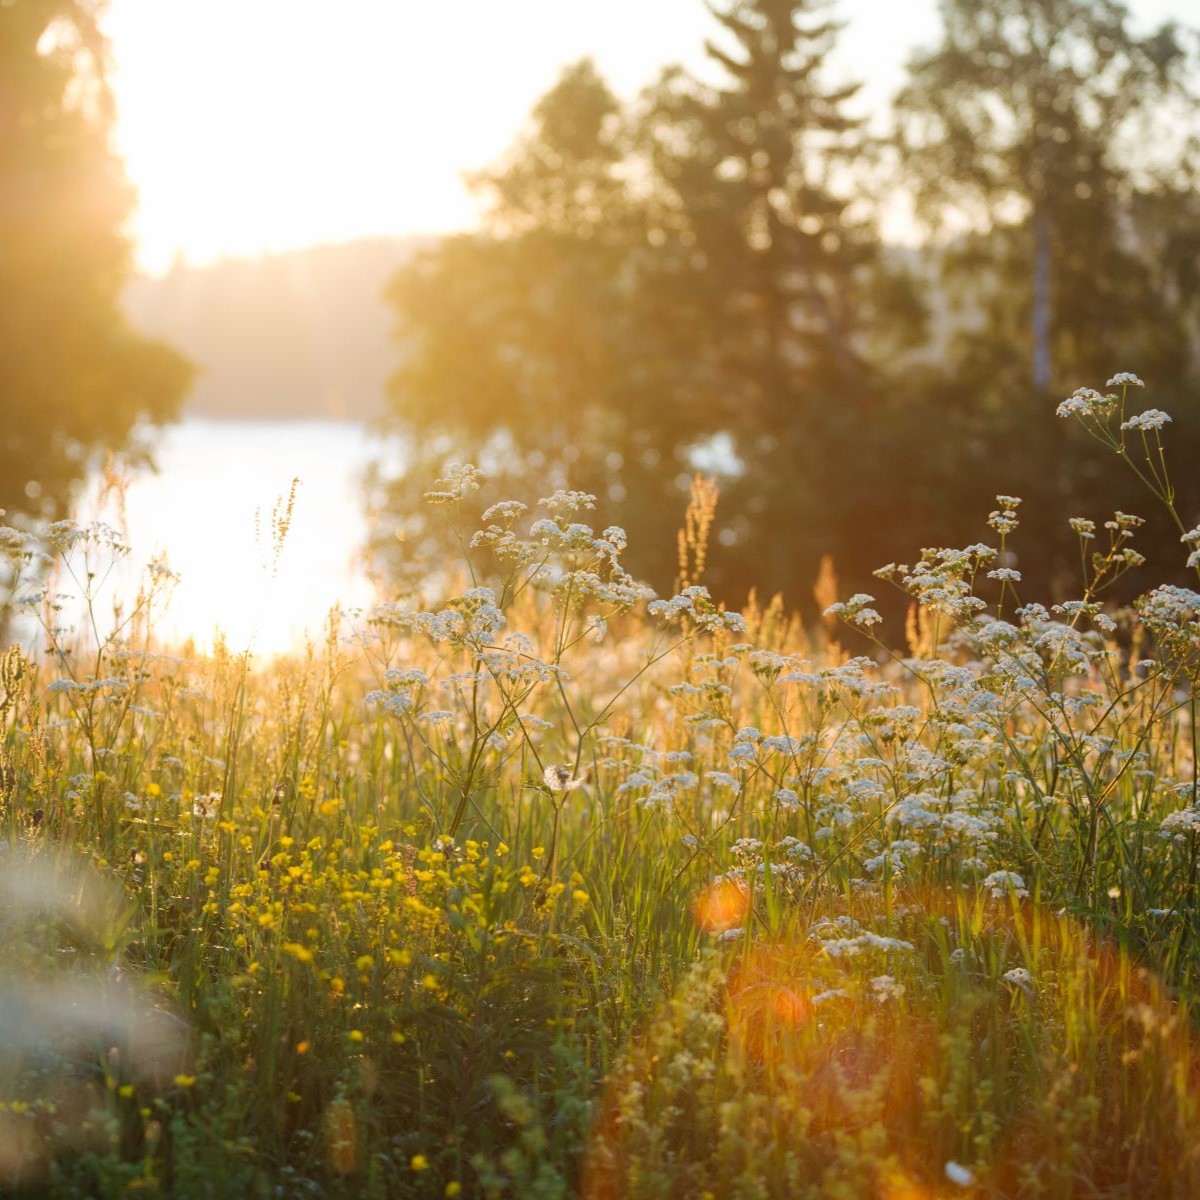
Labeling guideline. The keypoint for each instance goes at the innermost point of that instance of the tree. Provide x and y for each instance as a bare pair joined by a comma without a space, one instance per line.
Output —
513,329
526,344
1041,122
1031,116
74,378
778,275
647,282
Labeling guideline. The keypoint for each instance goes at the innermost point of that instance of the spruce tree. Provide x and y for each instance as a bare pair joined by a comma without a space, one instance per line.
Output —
778,275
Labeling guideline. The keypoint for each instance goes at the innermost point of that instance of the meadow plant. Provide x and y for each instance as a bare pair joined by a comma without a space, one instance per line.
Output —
531,883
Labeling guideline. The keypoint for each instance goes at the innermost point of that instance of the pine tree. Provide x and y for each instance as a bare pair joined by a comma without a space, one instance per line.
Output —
774,263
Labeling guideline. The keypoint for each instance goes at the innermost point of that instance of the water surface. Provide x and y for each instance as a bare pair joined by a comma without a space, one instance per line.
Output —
208,512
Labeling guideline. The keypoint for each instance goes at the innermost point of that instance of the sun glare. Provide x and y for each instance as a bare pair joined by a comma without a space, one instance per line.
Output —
208,513
256,127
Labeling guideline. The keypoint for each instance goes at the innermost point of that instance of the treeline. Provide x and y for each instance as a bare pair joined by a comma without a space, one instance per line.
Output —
299,334
698,279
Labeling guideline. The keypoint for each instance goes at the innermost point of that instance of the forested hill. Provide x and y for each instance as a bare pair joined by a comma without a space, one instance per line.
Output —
298,334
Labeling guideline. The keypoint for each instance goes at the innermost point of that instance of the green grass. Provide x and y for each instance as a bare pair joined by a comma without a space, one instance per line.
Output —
549,890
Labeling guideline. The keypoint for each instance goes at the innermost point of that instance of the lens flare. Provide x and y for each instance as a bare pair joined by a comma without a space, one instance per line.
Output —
722,906
792,1048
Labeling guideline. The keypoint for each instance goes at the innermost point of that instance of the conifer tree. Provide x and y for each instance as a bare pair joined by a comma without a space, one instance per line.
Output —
777,275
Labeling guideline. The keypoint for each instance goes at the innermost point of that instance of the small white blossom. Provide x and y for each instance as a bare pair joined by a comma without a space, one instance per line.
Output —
1152,418
1083,402
506,511
1001,883
558,778
1019,977
957,1173
885,988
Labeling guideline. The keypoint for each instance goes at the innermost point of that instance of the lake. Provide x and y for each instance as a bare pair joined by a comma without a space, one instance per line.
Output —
208,511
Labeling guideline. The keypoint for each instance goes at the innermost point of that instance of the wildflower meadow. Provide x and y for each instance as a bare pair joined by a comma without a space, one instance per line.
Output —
529,883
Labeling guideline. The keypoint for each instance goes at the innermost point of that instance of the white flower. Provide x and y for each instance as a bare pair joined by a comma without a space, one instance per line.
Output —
1169,605
856,610
459,480
1125,379
1177,824
1001,883
782,744
13,542
1019,977
957,1173
886,988
722,779
1152,418
1083,402
831,994
505,510
566,501
206,807
558,778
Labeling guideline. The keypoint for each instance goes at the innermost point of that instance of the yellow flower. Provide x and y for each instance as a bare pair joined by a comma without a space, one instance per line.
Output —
185,1081
453,1188
419,1162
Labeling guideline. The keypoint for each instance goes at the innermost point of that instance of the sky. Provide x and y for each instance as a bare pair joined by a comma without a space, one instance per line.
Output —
259,125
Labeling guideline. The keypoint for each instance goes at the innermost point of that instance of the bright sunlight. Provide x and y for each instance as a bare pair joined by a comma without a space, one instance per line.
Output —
665,667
